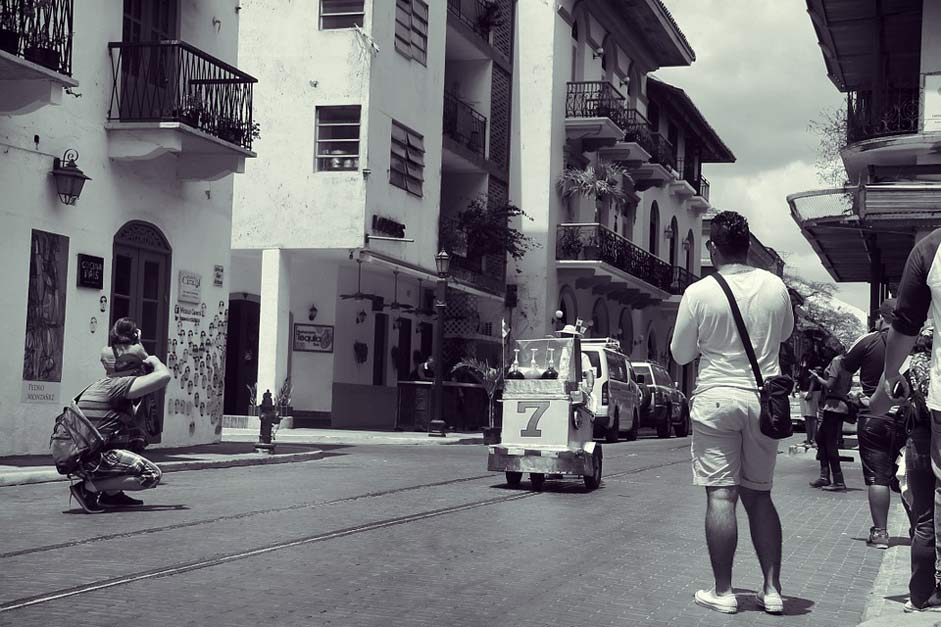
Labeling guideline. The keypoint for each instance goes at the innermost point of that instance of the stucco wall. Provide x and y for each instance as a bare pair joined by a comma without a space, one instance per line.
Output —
194,217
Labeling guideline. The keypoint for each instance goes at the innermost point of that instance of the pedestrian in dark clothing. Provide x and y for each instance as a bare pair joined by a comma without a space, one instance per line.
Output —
834,411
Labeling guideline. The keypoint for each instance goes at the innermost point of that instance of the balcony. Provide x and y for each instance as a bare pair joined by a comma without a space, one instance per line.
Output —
35,54
881,113
595,111
169,97
662,158
465,126
682,278
486,272
639,277
468,13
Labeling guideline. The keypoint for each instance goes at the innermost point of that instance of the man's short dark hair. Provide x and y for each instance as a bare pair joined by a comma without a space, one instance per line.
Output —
729,233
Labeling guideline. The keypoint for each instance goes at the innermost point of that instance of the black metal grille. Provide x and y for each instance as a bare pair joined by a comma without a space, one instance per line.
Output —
465,125
881,113
500,116
172,81
503,32
682,278
469,12
597,243
596,99
693,175
38,31
637,129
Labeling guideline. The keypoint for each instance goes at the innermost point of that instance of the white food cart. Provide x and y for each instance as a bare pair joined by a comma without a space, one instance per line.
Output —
547,425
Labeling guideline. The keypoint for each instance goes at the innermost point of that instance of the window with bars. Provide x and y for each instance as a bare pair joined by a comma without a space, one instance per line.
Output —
406,169
411,29
341,13
337,138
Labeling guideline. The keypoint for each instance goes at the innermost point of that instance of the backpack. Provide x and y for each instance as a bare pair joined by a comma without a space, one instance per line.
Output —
74,439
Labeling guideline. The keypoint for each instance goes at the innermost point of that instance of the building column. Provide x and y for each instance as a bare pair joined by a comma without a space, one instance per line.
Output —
274,321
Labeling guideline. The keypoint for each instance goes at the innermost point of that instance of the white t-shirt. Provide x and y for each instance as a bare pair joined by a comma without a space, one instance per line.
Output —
705,326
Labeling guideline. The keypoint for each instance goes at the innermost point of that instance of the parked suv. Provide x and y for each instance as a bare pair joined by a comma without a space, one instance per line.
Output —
663,405
616,392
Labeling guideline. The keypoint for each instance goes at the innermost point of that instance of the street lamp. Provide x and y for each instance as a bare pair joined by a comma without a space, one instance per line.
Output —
443,265
69,177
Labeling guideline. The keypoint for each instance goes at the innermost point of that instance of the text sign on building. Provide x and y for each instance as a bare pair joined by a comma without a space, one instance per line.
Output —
932,103
91,271
190,288
41,392
387,227
313,338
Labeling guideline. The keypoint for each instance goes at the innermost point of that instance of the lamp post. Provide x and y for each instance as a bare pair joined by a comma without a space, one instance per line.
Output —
69,177
443,265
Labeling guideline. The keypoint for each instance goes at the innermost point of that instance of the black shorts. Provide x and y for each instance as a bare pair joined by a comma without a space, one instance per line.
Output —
880,441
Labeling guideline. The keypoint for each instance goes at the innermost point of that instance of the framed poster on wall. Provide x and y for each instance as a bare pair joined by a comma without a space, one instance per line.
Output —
313,338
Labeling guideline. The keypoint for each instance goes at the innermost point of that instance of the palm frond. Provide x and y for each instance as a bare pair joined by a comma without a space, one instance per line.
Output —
602,182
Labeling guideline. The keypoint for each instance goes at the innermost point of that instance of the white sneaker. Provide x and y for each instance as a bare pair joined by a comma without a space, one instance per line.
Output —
725,603
770,602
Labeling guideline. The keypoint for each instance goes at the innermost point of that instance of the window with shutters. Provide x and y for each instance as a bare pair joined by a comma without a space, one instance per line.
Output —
406,169
411,29
337,138
341,13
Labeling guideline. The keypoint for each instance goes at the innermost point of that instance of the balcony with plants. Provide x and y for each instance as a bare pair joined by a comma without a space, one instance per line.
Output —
171,97
596,107
35,53
662,154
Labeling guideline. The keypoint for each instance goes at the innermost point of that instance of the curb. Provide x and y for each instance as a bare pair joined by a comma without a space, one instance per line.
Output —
48,475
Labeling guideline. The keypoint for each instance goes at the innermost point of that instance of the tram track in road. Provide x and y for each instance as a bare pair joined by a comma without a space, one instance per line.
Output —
169,571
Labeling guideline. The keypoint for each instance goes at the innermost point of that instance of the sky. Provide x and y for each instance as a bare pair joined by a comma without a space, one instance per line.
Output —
759,79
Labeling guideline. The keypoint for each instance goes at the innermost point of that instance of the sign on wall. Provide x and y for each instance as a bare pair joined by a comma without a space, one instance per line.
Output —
91,271
190,287
217,274
313,338
45,317
932,103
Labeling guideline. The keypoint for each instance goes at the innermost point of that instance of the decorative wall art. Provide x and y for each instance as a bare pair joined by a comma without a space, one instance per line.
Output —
45,317
313,338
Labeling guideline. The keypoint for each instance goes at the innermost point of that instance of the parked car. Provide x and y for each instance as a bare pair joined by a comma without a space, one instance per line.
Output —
616,392
663,406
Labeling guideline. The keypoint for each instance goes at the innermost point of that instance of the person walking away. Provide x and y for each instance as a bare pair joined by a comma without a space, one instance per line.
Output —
834,411
108,404
919,293
731,457
809,385
881,437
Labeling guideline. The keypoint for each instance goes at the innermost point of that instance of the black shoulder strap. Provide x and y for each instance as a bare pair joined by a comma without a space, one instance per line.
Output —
742,331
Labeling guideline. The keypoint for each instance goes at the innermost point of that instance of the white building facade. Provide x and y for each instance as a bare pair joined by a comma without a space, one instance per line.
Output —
585,99
385,121
149,96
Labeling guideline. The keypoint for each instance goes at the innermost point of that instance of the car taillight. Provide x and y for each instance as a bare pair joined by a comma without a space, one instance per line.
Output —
604,393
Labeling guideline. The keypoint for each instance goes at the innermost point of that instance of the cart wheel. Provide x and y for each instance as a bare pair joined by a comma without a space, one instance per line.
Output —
537,479
513,478
592,481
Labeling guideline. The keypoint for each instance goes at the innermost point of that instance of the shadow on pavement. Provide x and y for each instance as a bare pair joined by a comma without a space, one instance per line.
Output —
793,606
122,510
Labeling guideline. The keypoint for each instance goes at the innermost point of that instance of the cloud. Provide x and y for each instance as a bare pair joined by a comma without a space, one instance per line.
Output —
759,79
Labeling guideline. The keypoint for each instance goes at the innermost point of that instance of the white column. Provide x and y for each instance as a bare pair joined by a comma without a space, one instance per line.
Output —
274,319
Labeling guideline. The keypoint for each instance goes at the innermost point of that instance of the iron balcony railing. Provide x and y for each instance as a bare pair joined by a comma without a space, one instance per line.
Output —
469,13
465,125
594,242
682,278
693,175
596,99
172,81
881,113
485,271
638,130
38,31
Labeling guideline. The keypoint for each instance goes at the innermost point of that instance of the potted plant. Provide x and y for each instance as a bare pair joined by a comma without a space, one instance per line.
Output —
283,402
230,130
601,182
489,15
42,49
570,243
192,111
488,229
9,27
591,247
490,378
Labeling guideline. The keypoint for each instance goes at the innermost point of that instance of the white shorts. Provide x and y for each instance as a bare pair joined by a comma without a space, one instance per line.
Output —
728,446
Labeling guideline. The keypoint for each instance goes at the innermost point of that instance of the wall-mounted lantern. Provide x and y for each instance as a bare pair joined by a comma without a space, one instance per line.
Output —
443,264
69,178
668,233
687,243
312,313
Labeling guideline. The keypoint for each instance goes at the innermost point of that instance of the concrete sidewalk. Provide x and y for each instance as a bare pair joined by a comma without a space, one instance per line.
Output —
236,449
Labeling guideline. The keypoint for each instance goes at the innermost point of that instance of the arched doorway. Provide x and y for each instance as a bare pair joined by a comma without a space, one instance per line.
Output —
651,345
626,331
654,235
241,353
140,288
674,239
568,306
690,245
599,320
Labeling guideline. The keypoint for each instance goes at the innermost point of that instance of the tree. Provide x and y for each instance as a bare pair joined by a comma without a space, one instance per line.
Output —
831,135
818,307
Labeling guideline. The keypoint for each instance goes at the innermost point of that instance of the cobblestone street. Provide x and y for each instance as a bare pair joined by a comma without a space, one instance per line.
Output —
412,535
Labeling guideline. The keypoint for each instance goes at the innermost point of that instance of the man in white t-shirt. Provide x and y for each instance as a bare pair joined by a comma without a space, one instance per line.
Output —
731,457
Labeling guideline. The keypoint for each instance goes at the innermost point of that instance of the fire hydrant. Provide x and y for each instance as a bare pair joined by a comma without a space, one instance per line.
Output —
268,416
